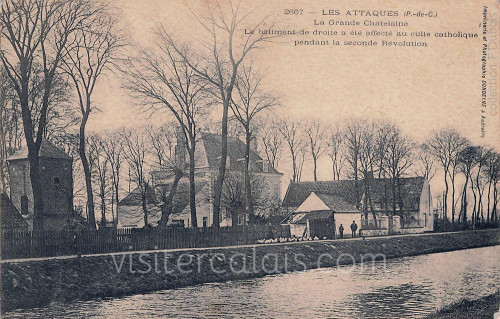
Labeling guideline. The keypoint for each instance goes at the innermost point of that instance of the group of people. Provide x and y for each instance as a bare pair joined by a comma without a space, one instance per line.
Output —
354,228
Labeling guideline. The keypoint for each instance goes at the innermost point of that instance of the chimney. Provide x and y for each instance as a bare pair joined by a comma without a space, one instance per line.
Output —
180,148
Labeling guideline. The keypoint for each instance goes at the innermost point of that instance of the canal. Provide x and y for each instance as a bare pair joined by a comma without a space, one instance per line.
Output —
410,287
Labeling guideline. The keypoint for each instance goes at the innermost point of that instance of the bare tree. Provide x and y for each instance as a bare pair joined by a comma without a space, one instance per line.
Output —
113,148
445,145
336,152
317,138
271,140
92,51
165,80
367,159
162,140
228,48
426,162
37,32
492,173
250,102
398,160
295,140
136,153
100,164
467,158
352,134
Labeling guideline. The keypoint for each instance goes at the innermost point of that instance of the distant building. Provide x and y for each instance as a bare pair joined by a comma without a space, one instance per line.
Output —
207,158
57,186
415,198
323,207
10,217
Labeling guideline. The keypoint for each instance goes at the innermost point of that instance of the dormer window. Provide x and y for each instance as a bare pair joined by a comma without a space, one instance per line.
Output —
265,167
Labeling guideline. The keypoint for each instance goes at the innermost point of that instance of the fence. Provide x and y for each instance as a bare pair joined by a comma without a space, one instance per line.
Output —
27,244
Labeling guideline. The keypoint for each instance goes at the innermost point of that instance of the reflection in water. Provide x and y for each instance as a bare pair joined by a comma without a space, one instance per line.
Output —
403,288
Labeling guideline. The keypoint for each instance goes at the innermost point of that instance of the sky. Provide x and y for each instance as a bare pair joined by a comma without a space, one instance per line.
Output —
419,89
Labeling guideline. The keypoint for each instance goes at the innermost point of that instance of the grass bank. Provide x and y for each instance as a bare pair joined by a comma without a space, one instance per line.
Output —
485,307
38,283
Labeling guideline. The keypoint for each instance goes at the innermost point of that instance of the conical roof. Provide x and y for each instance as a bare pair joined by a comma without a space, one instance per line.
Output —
47,150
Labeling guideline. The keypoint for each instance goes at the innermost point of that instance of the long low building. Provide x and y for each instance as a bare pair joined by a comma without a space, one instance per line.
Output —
413,211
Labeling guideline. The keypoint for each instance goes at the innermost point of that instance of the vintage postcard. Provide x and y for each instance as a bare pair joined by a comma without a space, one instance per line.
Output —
249,159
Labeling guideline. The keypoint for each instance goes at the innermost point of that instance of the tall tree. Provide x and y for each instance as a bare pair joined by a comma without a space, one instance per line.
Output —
336,151
113,148
136,152
37,32
100,165
317,138
445,145
250,102
296,143
228,48
352,134
467,158
271,140
92,51
398,160
164,79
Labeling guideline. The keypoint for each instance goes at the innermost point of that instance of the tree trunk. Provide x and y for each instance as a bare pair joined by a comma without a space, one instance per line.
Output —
168,201
445,199
489,196
222,166
36,185
453,199
192,185
315,168
464,200
144,204
88,174
248,187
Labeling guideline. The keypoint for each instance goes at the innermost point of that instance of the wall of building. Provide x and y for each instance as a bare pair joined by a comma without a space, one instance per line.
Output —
57,188
346,220
426,210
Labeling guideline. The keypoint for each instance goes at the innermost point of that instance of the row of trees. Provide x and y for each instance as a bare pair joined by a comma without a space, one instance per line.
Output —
361,149
57,52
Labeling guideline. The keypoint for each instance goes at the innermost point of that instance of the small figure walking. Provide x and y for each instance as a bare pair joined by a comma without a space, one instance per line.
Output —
354,227
341,231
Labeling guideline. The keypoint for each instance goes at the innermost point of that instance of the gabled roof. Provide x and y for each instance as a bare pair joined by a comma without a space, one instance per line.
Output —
47,150
129,218
10,216
338,204
235,153
297,192
411,189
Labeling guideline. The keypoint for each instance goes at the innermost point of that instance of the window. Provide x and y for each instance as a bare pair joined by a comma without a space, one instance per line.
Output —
205,221
24,205
265,167
57,181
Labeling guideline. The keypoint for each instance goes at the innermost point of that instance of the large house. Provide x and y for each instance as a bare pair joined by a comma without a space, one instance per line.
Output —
207,157
413,203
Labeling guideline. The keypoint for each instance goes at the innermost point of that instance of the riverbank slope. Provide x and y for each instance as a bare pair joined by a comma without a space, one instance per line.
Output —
485,307
38,283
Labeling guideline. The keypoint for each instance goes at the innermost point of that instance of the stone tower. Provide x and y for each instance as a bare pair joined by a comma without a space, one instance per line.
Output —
57,185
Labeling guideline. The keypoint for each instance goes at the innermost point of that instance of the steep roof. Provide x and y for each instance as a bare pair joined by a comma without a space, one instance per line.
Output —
47,150
411,189
338,204
235,153
10,216
135,217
